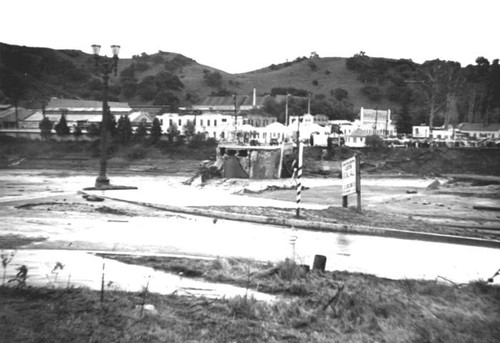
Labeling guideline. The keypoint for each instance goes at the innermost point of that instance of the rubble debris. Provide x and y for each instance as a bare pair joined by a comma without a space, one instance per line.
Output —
94,198
434,185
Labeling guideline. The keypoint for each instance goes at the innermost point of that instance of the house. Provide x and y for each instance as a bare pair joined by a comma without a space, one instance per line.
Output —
376,122
308,126
443,133
421,131
357,139
347,127
275,132
480,131
136,118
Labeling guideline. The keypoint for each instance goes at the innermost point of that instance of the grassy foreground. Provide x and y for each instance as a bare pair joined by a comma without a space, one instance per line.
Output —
313,307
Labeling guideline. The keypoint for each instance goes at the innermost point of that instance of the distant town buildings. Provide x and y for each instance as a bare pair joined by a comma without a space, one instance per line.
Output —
237,119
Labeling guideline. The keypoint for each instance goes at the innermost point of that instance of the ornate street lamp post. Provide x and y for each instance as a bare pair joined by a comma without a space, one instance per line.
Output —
105,65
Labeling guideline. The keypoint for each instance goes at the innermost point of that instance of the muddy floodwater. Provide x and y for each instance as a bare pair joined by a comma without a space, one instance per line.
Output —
70,235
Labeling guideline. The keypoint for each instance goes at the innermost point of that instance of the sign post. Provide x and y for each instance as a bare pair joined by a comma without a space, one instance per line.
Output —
351,181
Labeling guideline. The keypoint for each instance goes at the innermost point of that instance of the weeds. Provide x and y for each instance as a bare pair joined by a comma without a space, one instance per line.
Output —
21,276
58,266
6,259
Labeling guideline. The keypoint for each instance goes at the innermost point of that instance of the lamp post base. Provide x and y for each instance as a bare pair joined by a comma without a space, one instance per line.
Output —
101,182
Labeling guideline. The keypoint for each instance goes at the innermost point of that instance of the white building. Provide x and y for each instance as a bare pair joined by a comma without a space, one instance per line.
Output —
356,139
443,133
480,131
376,122
347,127
213,125
421,131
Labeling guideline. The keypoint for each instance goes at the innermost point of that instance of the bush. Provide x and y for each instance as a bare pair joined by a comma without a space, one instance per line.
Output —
375,141
137,152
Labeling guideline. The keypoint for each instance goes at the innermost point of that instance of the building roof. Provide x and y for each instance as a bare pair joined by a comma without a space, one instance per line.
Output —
84,105
138,116
228,102
358,133
10,114
55,117
479,127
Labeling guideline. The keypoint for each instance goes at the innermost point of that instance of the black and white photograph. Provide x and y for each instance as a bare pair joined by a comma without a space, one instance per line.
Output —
249,171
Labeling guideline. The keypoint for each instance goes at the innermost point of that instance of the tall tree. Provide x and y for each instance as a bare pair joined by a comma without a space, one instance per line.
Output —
45,128
173,132
156,130
140,132
124,130
437,84
404,122
189,128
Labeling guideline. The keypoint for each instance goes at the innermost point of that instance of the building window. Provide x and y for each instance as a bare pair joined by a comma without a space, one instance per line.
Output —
201,122
215,122
170,122
208,122
224,120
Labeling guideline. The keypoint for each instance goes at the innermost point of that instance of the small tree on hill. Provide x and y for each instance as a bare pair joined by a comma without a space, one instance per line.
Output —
45,128
61,127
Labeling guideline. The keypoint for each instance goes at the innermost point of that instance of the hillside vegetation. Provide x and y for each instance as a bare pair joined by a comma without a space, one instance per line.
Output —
435,92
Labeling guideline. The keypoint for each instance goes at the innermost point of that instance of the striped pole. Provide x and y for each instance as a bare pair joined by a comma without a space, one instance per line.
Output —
299,175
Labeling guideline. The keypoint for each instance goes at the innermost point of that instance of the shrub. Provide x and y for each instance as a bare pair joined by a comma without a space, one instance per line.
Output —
375,141
137,152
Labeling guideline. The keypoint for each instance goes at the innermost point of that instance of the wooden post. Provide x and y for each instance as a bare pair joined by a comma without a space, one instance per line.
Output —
102,281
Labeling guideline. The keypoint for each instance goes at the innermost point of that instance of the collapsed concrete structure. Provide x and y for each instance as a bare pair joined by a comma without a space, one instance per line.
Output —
254,162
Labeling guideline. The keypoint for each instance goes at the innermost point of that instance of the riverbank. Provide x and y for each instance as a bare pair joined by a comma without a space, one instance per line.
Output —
314,307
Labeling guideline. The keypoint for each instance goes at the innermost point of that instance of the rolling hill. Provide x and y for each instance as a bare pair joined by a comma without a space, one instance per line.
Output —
446,93
35,73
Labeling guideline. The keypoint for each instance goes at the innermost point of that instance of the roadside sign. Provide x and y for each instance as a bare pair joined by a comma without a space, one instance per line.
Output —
349,176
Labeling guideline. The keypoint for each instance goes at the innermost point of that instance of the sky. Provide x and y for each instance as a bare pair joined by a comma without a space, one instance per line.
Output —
240,36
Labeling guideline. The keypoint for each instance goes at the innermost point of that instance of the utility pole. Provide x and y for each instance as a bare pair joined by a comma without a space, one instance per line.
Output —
309,103
286,109
299,167
235,119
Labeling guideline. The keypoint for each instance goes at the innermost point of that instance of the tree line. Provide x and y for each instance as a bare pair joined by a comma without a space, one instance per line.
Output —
437,92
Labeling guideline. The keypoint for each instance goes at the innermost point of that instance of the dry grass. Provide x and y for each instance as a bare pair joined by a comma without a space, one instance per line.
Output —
364,308
369,309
